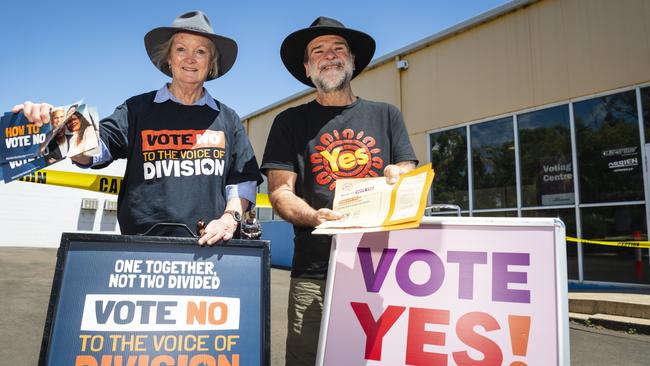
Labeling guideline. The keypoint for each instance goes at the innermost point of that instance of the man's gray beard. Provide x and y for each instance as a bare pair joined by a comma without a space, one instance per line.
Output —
338,84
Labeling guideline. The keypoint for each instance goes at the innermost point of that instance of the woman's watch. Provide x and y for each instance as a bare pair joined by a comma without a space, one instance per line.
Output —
235,215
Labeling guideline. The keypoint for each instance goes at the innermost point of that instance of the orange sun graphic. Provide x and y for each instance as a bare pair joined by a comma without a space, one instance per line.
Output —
344,155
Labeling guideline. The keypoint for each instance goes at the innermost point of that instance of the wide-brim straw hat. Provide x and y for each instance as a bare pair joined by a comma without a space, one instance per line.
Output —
293,47
195,22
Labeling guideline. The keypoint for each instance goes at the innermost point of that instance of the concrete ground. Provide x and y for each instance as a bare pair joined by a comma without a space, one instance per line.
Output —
595,346
25,281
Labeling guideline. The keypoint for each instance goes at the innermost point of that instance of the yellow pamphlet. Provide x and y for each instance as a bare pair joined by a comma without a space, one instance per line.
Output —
371,204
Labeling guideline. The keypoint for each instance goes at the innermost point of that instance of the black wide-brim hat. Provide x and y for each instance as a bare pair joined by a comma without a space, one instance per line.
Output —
293,47
195,22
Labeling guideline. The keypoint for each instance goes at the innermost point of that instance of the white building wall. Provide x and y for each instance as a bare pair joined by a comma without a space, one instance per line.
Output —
35,215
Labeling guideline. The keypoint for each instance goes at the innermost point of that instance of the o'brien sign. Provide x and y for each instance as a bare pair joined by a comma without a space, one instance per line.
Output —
456,291
141,301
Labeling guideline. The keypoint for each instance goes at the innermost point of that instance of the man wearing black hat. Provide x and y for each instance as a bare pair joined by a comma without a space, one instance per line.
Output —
337,135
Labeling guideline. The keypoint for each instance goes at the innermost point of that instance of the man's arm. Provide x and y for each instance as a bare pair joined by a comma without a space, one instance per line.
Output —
282,193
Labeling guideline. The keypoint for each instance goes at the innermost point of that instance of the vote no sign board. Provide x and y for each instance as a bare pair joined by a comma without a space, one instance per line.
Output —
135,300
455,291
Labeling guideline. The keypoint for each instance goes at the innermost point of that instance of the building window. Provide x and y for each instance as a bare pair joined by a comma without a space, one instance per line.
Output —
609,153
645,103
613,263
545,157
607,145
449,160
493,164
568,217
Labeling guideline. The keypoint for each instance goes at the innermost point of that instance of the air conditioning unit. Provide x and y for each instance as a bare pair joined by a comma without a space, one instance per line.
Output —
110,205
89,203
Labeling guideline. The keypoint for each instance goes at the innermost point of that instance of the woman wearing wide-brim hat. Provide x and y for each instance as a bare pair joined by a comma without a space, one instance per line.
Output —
188,156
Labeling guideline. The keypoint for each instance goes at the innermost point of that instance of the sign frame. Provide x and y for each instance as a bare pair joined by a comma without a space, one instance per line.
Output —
256,248
560,285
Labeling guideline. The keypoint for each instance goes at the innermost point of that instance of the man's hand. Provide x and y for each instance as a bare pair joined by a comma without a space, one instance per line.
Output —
393,171
37,113
325,214
282,193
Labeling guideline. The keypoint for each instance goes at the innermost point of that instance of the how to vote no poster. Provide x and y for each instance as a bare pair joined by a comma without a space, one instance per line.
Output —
127,300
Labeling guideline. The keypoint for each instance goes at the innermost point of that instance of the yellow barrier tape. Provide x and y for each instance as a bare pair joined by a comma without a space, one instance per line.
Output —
97,183
627,244
263,200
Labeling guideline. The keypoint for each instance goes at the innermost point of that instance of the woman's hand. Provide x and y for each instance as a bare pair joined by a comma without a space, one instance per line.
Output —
218,229
37,113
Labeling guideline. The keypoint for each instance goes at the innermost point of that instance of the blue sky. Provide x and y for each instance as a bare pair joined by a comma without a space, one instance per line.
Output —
61,51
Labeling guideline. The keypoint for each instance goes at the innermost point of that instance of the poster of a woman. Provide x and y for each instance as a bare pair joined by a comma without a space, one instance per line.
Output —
83,137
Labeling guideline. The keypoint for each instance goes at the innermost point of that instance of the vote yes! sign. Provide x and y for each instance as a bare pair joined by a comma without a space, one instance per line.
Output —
133,300
456,291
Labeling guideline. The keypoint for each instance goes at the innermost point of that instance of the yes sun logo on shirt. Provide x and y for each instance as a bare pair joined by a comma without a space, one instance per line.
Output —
345,155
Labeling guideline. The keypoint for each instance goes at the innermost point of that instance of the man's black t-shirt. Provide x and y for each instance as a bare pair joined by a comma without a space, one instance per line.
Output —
321,144
180,158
